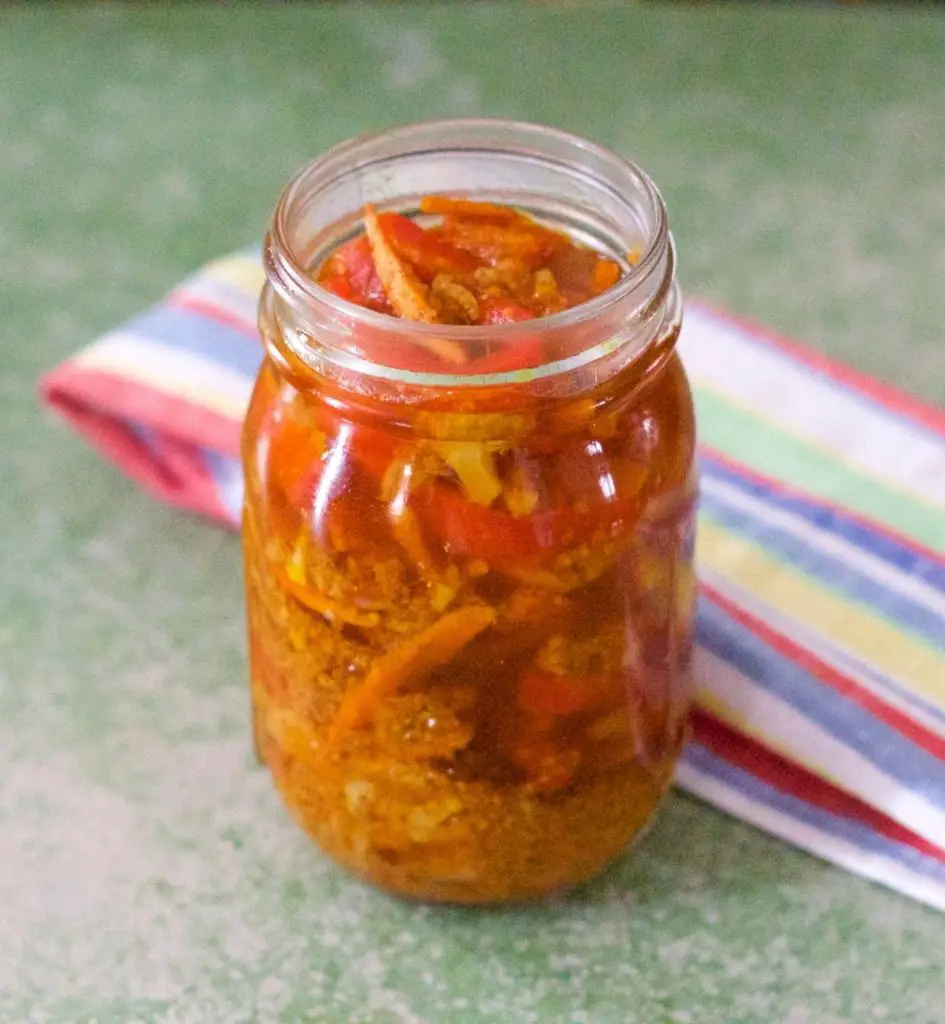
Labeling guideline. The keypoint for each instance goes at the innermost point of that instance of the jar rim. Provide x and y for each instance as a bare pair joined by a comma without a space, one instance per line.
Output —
290,276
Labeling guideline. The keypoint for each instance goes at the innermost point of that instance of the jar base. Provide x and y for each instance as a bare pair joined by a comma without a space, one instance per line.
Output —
546,857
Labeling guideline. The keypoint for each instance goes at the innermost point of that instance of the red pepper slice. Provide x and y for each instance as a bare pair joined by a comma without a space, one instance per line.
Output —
543,693
523,353
477,531
339,285
355,261
427,253
294,452
372,449
472,530
499,310
297,462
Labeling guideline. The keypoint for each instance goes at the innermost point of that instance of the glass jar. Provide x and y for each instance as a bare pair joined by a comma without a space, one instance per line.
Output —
471,694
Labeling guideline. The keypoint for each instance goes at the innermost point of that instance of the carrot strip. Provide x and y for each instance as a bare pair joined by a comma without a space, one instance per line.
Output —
414,658
322,604
606,275
404,289
533,245
448,207
406,293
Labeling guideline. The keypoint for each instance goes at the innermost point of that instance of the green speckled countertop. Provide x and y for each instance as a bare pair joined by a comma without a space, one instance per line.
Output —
147,871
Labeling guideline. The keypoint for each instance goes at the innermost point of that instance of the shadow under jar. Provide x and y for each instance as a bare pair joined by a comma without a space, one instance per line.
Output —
470,592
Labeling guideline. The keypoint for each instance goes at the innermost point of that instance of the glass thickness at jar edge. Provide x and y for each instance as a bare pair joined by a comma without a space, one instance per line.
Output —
470,618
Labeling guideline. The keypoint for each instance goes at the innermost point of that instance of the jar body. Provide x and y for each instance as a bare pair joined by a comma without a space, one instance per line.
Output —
470,596
465,696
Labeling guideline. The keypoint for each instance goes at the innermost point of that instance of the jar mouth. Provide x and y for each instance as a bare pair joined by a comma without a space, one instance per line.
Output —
587,190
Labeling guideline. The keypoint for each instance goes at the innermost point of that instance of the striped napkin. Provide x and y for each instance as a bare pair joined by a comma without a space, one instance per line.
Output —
821,553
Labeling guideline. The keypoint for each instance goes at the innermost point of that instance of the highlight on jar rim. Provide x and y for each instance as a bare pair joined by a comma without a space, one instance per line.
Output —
469,516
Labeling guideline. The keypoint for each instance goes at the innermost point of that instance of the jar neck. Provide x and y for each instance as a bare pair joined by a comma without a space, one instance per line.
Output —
592,194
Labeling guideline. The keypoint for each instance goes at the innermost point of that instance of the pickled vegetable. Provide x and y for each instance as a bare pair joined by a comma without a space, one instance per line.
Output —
470,634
